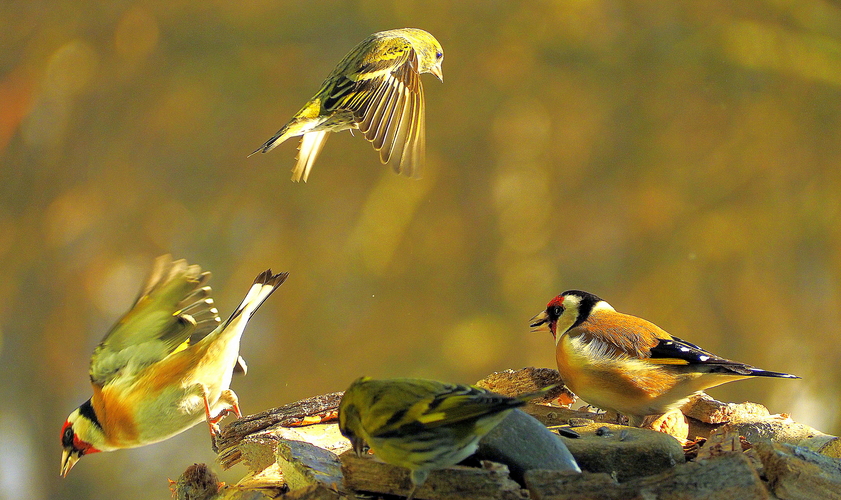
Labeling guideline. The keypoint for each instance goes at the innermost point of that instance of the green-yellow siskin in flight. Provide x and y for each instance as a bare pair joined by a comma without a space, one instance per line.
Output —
376,88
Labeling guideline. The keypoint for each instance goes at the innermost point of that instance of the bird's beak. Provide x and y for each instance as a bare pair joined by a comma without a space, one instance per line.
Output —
437,71
68,460
540,323
359,446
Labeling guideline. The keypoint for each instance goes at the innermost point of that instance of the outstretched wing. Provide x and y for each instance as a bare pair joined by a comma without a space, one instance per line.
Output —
381,87
173,308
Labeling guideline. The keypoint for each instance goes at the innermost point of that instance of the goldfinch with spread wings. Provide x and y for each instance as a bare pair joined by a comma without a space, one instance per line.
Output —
165,366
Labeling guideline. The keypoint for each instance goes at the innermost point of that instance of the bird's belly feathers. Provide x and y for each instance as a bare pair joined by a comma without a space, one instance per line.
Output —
626,385
161,406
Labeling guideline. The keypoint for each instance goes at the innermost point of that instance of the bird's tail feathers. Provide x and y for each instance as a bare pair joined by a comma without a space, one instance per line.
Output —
264,285
274,142
308,150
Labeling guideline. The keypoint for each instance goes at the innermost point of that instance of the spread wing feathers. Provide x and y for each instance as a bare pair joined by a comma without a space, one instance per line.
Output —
173,306
308,150
383,91
392,117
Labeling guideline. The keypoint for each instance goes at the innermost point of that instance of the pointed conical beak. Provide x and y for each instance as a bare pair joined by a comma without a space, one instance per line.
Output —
540,323
359,446
68,460
437,71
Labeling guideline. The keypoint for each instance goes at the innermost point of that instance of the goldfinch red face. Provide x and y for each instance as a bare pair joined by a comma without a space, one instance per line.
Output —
566,311
74,433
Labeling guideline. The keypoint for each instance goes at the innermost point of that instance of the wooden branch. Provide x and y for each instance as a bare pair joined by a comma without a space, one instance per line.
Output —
490,482
304,412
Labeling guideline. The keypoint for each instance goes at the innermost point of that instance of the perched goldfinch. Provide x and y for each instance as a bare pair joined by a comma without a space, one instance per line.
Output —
421,424
377,89
165,366
626,364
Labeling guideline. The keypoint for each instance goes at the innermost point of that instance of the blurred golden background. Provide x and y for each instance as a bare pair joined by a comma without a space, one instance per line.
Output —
679,159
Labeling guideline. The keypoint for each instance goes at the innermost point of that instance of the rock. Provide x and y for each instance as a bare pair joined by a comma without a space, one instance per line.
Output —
624,452
726,477
795,472
304,464
774,428
704,408
523,443
673,423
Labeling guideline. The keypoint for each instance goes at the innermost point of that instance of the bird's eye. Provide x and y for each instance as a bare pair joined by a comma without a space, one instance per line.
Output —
439,55
557,310
67,438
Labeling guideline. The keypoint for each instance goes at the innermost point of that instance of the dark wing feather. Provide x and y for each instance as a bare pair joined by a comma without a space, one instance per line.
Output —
678,349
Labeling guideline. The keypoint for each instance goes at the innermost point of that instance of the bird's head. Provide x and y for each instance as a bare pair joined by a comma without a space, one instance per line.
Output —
81,435
566,311
429,51
350,421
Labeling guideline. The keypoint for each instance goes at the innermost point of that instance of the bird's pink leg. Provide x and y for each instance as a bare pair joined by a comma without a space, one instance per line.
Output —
227,396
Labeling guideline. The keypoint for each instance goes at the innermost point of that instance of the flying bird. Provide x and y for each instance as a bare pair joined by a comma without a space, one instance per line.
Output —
377,89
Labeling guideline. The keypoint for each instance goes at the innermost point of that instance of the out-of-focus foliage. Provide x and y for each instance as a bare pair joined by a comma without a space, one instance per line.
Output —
679,159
